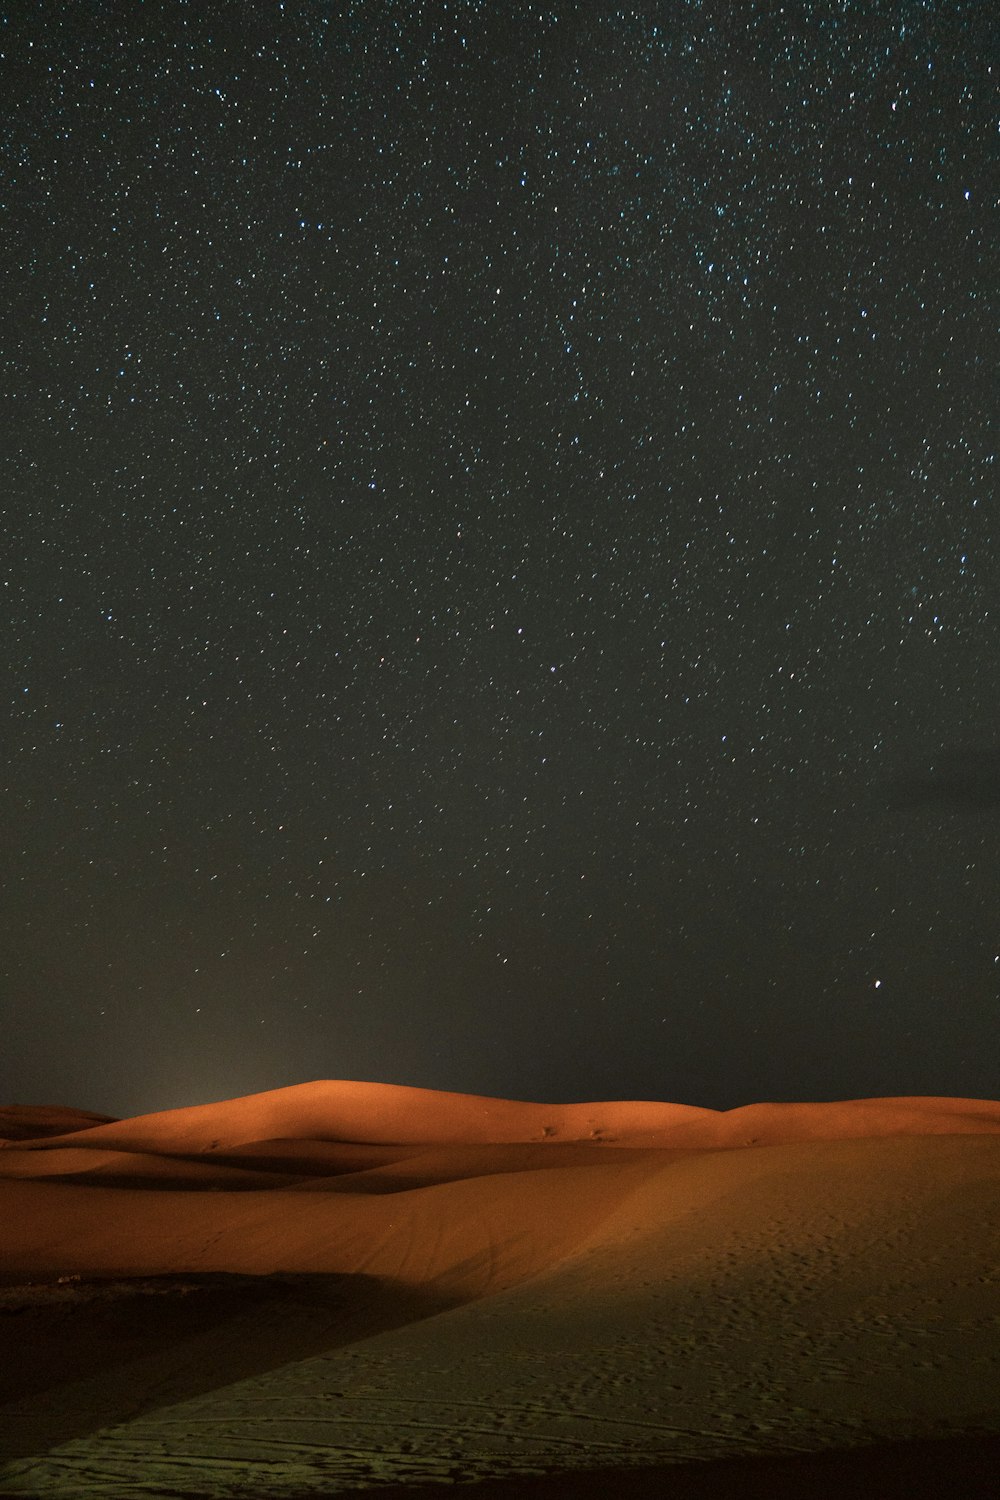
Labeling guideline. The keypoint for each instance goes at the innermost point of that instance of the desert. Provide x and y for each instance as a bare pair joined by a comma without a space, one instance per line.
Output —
346,1286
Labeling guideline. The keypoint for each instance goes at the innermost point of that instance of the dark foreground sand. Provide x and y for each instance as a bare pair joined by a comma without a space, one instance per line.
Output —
341,1286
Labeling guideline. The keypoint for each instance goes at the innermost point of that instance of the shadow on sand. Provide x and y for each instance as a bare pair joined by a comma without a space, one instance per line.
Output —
105,1350
966,1467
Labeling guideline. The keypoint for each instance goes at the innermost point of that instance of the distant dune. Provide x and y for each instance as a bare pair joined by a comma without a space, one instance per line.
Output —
23,1122
389,1114
342,1285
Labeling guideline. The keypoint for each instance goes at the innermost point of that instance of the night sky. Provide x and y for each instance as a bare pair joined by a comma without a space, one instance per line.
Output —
499,565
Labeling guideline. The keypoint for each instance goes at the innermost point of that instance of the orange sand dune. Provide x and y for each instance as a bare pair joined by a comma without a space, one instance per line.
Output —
102,1166
462,1238
342,1285
390,1114
21,1122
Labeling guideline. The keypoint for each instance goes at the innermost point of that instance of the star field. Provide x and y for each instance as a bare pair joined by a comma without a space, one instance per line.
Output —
496,502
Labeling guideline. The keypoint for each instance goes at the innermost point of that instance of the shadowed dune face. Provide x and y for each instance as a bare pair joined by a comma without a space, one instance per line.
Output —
28,1122
965,1467
90,1352
342,1285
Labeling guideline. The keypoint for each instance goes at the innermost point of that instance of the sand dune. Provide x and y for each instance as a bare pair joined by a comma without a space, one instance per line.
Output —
32,1121
390,1114
342,1285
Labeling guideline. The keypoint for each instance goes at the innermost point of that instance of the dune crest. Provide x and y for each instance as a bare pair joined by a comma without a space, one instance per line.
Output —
351,1112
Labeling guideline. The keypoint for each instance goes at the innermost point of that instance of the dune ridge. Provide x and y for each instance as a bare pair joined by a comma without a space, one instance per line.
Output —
342,1285
352,1112
20,1122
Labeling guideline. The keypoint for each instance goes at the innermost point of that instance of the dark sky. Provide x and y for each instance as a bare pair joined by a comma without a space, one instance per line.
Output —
499,562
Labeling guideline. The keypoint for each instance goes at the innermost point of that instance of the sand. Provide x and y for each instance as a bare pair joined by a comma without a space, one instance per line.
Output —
342,1286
